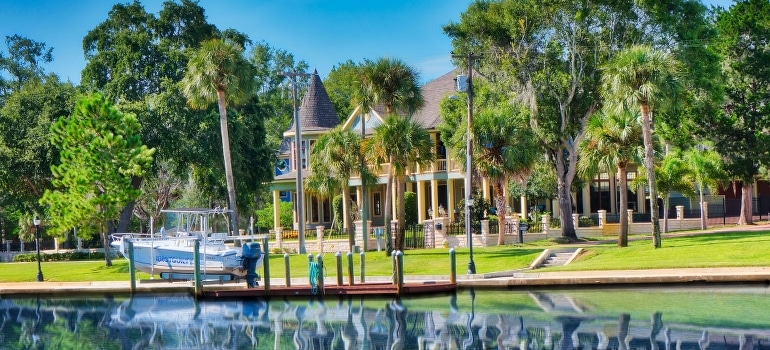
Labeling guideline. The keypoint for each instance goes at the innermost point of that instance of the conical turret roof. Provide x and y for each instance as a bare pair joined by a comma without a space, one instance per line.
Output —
317,112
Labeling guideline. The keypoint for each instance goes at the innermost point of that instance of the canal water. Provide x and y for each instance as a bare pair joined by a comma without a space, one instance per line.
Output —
671,318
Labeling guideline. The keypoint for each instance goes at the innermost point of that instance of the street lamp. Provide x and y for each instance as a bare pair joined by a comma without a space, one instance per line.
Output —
36,221
467,85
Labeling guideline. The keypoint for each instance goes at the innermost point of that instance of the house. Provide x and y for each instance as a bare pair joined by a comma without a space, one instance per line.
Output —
441,184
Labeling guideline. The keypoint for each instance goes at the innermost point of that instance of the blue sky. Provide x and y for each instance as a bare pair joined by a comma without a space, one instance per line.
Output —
323,33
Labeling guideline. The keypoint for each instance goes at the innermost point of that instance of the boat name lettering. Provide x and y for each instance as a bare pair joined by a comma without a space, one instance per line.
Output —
172,260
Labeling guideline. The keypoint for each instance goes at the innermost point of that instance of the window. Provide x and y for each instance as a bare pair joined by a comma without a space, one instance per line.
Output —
377,203
314,212
327,210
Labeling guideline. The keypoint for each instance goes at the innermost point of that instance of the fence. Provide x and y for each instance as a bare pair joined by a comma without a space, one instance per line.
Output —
721,211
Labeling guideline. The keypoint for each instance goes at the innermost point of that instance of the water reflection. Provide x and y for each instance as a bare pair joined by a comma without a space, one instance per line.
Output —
657,319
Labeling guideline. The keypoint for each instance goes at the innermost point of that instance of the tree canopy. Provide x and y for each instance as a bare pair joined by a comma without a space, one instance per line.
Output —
100,151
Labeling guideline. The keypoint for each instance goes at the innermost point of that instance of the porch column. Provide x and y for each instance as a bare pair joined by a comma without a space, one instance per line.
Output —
450,187
613,192
421,199
359,200
586,190
641,201
276,209
394,199
485,189
434,197
524,208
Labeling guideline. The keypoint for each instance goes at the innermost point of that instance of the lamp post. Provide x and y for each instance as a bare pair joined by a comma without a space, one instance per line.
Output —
298,154
470,58
36,221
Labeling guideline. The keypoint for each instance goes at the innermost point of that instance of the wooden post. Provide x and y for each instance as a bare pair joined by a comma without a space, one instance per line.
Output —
266,266
363,267
350,269
131,265
288,273
399,271
338,256
320,260
452,267
197,264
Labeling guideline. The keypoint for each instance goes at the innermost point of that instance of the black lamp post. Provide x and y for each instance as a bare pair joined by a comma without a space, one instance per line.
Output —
37,237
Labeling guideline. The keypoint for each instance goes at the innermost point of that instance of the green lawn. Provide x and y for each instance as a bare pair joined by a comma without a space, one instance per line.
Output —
725,249
708,250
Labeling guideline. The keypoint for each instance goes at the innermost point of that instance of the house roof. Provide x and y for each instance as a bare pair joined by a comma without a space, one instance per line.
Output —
317,112
433,92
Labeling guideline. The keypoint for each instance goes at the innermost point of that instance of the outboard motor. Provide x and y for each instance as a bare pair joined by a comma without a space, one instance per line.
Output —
252,254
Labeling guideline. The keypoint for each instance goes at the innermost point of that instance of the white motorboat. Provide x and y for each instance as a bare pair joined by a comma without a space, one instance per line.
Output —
170,251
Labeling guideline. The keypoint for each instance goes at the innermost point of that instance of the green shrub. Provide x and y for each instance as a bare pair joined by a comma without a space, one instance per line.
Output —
337,209
66,256
265,215
410,208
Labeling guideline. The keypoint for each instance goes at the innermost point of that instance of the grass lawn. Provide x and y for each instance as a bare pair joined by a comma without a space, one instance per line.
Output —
708,250
724,249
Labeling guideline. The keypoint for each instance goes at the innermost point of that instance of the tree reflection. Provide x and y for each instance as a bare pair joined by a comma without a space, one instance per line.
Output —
178,321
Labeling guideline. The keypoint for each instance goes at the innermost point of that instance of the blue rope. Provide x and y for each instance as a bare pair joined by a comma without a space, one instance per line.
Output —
313,275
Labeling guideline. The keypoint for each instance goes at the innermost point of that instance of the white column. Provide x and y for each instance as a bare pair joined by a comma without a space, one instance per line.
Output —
276,209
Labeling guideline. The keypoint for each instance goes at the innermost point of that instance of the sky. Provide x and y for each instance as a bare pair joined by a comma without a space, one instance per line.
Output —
323,33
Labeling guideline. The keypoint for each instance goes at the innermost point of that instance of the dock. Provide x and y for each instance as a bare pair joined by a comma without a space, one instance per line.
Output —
371,289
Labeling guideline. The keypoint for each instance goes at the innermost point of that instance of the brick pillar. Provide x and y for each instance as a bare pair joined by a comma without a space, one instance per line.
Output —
319,231
602,217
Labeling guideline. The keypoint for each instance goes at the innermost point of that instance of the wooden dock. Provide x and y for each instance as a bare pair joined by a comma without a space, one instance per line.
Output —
373,289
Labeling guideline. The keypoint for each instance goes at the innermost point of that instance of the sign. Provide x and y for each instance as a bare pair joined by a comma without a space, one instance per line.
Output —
523,226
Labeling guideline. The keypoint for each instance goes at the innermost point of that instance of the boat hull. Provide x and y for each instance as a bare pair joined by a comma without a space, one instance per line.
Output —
171,256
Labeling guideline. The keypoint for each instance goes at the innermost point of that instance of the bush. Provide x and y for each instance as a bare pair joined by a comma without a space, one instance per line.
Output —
265,215
337,209
410,208
66,256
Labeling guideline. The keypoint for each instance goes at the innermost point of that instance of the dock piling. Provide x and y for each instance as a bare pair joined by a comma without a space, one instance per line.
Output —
350,269
320,261
266,265
288,269
197,263
131,265
338,257
363,267
452,266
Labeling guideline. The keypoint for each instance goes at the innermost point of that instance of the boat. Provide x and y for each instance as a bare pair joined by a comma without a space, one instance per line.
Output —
170,251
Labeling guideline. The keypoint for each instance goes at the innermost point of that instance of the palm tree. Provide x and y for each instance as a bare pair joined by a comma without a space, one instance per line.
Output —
646,78
505,149
334,159
612,140
401,142
394,85
706,171
217,71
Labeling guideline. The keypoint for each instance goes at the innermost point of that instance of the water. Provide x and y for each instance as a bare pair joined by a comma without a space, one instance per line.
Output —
713,317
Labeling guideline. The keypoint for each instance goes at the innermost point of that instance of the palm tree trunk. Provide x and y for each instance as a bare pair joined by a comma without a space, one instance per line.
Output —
400,184
346,217
649,164
747,191
623,228
666,204
702,208
388,214
500,204
228,163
